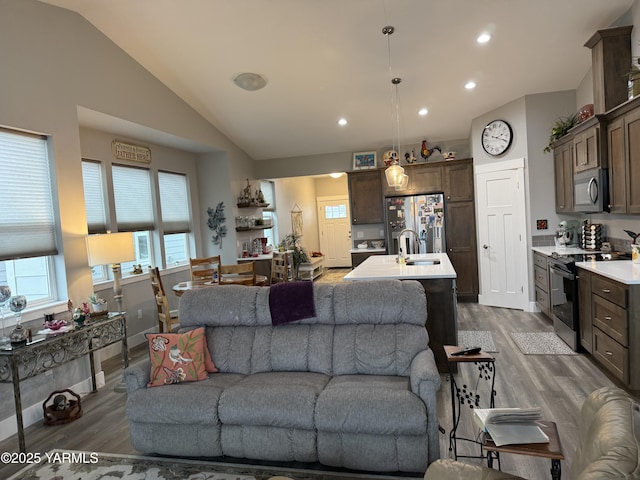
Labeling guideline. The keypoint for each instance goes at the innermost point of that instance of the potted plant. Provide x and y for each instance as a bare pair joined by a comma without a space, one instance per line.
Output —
291,242
560,128
98,304
634,76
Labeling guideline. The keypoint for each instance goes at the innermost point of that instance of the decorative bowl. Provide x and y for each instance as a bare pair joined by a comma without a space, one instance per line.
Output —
377,243
363,245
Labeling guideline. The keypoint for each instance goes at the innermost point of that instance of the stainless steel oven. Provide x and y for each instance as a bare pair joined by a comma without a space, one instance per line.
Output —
564,299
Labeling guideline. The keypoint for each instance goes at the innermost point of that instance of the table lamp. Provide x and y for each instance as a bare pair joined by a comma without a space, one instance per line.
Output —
111,249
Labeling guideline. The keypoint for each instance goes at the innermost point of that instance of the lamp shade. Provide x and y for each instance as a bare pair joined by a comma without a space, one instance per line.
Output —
110,248
394,175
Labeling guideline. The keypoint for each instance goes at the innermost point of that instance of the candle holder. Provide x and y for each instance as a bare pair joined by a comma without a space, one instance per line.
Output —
19,335
5,295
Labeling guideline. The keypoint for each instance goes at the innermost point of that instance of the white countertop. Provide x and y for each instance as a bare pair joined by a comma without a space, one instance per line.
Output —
548,251
367,250
384,267
623,271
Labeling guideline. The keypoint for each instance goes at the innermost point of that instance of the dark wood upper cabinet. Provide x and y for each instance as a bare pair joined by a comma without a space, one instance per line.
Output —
365,197
458,181
563,166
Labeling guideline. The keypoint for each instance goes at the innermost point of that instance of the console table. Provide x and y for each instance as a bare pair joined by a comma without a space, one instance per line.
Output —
49,351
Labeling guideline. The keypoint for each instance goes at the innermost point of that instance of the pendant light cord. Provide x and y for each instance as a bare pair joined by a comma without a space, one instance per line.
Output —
395,96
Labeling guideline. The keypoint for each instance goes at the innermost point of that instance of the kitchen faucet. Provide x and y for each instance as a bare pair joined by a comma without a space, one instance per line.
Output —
416,238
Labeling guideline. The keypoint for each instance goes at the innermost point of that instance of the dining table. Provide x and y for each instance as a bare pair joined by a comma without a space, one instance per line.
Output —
181,287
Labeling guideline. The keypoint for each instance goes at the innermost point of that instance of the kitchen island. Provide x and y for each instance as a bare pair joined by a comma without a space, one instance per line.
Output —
438,277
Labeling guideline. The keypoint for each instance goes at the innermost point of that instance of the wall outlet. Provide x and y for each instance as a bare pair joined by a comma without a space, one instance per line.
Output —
139,314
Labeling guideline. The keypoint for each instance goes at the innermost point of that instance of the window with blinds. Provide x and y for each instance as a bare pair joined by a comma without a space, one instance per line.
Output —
94,197
132,195
27,219
174,202
176,219
27,222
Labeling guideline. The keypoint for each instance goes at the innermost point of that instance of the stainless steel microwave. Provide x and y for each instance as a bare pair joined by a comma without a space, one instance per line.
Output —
591,191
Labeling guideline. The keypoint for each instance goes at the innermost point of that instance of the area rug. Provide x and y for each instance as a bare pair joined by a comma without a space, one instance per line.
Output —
541,343
477,338
77,465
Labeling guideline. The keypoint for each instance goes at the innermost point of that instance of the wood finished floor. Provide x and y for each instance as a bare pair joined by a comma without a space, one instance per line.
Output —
557,383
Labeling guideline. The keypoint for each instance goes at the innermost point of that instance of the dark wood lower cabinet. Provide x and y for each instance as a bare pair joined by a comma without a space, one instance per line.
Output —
442,318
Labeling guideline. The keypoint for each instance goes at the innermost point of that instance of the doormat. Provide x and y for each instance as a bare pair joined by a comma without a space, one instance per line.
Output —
78,465
477,338
541,343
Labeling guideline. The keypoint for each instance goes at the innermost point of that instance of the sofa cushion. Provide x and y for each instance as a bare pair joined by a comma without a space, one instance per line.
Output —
177,357
374,404
377,349
183,403
277,399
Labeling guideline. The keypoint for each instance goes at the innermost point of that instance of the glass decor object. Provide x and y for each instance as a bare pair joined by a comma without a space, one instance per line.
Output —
17,304
5,295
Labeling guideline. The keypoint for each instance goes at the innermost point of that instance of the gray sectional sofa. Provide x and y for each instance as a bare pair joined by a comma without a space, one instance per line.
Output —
353,386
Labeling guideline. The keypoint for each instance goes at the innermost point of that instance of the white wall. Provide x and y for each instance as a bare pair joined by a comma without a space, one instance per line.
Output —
298,191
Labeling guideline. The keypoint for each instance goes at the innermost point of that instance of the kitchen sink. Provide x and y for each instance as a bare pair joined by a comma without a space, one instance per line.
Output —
422,262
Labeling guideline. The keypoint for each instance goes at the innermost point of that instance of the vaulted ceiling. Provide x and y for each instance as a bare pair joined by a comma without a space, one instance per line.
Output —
328,59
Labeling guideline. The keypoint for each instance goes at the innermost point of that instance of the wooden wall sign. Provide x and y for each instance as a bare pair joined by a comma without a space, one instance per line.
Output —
128,151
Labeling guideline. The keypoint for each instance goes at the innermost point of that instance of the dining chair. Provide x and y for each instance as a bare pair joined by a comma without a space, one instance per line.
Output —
167,319
203,268
279,267
241,274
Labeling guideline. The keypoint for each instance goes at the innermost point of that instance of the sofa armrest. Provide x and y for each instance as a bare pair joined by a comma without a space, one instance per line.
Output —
137,376
424,369
425,382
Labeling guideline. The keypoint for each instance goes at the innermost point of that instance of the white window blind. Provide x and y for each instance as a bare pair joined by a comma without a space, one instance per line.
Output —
94,196
268,191
132,195
174,202
27,223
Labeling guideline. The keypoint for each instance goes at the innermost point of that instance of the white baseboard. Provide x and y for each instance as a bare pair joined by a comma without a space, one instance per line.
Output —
33,414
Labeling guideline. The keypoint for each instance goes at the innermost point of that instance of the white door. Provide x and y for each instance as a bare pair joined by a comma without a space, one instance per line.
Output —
502,249
334,222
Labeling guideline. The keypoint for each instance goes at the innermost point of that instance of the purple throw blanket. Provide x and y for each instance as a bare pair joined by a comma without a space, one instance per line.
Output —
291,301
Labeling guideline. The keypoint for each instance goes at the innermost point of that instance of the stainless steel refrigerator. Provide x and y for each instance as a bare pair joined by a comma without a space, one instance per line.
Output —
424,214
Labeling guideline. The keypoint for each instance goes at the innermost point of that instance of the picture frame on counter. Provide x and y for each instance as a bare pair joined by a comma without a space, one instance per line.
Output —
364,160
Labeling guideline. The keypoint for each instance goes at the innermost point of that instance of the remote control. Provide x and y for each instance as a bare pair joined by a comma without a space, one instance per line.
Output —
467,351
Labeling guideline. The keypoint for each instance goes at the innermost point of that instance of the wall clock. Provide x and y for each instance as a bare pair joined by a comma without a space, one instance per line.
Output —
496,137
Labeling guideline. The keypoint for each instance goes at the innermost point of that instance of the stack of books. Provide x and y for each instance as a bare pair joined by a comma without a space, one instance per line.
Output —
511,426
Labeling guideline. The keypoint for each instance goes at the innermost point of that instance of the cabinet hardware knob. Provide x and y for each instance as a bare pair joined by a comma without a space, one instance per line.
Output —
485,246
609,353
607,318
606,290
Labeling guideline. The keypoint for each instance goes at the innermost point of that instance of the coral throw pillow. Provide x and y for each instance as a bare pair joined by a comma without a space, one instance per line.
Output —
178,357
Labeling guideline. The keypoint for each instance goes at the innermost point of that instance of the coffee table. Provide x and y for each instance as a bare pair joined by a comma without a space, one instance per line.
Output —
551,450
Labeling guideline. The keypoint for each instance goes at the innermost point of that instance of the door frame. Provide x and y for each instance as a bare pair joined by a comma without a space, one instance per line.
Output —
521,247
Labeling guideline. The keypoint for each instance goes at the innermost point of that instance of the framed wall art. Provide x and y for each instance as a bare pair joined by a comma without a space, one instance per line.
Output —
364,160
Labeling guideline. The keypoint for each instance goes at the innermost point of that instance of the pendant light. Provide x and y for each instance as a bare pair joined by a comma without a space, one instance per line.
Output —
395,175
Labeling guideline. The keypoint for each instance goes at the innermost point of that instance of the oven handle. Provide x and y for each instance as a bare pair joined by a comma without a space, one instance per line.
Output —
562,273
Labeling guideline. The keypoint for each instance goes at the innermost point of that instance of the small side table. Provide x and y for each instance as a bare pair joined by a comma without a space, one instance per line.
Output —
552,450
464,394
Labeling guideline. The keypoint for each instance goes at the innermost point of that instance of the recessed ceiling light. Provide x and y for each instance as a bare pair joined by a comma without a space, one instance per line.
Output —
342,122
423,111
484,37
249,81
336,174
470,85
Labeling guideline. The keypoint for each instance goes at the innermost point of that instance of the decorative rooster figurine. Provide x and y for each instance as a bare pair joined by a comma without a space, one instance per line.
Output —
427,152
634,236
